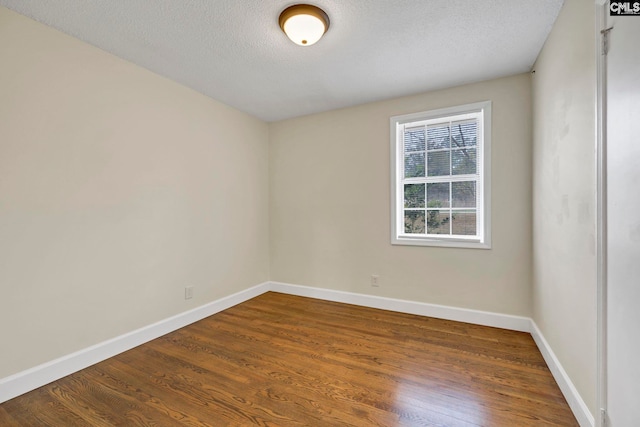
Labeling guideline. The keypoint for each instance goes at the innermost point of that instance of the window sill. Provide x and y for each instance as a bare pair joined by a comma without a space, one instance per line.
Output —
444,243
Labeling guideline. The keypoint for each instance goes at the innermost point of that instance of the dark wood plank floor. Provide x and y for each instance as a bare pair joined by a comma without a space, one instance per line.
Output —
281,360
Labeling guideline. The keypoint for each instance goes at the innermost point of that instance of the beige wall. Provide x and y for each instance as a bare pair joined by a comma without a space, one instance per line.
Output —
329,210
564,285
117,189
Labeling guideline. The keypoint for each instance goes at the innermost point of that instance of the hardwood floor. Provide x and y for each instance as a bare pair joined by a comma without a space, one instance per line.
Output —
281,360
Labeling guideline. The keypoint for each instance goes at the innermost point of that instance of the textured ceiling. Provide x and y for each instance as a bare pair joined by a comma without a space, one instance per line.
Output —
235,52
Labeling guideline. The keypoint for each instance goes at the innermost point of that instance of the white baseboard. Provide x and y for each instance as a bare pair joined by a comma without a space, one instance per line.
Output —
484,318
22,382
578,406
25,381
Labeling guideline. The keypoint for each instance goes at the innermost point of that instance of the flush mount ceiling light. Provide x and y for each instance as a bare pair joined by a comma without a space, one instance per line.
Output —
304,24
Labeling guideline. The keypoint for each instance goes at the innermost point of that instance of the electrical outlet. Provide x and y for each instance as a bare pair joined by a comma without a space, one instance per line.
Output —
188,292
375,280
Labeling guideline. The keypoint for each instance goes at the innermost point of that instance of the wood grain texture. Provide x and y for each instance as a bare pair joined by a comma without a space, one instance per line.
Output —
282,360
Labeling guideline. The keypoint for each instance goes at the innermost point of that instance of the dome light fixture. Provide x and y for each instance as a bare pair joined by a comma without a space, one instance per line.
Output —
304,24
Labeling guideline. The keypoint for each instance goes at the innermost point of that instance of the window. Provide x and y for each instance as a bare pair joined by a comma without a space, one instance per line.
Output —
440,177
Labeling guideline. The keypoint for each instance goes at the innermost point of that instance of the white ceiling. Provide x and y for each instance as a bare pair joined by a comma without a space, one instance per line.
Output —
235,52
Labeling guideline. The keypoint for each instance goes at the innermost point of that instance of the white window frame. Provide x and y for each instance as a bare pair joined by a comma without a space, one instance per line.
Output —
482,240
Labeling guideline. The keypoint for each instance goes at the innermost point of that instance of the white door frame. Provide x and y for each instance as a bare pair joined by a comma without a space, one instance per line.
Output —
601,209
